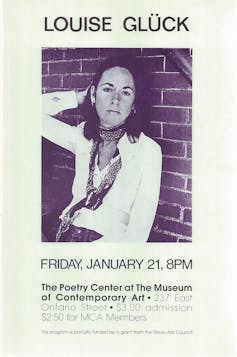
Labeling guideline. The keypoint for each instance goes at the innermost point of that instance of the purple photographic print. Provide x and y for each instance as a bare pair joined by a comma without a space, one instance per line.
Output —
167,121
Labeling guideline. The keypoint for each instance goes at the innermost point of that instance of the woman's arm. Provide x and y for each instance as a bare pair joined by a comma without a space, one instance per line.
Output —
54,130
145,205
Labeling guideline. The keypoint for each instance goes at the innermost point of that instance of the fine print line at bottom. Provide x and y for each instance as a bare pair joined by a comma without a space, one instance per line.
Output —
119,332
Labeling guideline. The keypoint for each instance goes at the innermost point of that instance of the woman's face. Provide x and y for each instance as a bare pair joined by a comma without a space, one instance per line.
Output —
114,96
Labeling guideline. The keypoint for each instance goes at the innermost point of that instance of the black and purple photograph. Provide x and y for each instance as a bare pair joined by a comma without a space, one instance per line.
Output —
117,145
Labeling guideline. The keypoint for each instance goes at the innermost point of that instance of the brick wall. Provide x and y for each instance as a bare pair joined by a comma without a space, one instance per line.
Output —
171,116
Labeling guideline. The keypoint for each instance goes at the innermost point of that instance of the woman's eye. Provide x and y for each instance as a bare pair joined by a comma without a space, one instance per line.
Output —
107,89
126,93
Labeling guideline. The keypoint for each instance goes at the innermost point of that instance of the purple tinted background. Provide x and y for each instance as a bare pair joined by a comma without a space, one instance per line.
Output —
171,116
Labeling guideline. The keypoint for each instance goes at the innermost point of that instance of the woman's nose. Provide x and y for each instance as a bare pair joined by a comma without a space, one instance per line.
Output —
116,97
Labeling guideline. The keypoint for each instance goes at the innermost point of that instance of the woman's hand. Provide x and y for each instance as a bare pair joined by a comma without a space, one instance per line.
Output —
81,95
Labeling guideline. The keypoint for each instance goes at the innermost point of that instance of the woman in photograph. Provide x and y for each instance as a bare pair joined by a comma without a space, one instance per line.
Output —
117,167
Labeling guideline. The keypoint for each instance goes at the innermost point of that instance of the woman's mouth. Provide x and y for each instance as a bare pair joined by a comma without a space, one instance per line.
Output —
113,111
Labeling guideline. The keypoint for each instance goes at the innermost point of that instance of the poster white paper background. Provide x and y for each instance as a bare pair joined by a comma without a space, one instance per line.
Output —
212,37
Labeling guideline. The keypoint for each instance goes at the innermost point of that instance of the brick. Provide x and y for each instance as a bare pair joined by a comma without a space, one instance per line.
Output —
49,54
172,148
65,67
113,52
155,97
189,185
167,210
158,237
175,197
187,215
90,66
51,81
169,115
176,227
76,81
78,53
177,98
190,116
155,64
189,151
154,130
177,132
172,180
187,51
169,67
182,166
44,68
152,51
168,80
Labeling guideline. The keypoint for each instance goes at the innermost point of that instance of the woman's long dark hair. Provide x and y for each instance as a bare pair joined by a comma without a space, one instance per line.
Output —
136,122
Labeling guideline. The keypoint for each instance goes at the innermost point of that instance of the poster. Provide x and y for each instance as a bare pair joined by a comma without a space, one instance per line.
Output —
174,295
